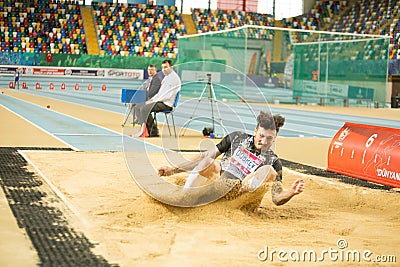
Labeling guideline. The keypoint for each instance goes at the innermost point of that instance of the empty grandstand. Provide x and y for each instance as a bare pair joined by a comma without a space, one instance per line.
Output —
106,34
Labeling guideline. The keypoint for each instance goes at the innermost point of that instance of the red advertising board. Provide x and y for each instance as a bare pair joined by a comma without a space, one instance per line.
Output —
366,152
48,71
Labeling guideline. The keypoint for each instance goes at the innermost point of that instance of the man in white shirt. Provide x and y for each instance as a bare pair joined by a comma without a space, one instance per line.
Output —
163,100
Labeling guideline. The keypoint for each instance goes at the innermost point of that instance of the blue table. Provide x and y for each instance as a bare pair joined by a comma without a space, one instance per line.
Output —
132,97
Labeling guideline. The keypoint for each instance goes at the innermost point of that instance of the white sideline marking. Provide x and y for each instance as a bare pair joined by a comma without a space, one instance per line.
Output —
42,129
85,134
62,141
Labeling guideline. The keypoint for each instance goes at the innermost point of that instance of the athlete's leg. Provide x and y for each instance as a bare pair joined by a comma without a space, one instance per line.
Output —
262,175
205,170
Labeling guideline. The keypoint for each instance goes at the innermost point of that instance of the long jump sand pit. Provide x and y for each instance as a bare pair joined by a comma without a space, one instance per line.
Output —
132,229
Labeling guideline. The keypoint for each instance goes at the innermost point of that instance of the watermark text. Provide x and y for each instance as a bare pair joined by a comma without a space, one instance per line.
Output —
340,253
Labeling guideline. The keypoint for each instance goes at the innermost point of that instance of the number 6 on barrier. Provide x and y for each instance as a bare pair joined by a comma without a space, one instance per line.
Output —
366,152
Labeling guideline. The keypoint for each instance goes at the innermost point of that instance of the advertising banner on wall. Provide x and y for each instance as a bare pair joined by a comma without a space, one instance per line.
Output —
7,70
75,72
314,88
124,73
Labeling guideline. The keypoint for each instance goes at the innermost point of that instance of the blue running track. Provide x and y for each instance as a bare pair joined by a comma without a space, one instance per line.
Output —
84,136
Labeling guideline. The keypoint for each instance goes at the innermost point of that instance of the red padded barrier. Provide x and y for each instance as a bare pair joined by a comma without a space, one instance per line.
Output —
366,152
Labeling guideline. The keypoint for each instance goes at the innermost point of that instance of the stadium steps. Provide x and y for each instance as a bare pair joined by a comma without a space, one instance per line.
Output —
189,24
91,36
387,24
327,26
277,40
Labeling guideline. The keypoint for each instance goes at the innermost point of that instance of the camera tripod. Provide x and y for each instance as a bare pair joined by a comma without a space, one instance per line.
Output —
208,88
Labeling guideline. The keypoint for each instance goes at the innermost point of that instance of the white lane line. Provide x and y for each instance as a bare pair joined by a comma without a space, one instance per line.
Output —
69,116
42,129
85,134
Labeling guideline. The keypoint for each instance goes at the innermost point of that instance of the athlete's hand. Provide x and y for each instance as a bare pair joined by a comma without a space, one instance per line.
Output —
297,186
166,171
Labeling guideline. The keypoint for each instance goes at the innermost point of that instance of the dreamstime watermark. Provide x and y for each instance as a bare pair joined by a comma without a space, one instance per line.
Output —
340,253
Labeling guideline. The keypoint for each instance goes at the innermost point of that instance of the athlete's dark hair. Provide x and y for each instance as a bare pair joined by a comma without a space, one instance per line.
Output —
270,122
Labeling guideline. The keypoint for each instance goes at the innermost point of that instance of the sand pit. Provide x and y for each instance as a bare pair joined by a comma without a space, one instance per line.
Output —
132,229
101,200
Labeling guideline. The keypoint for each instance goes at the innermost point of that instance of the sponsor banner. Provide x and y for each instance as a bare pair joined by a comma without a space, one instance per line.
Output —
312,88
8,70
48,71
28,71
360,92
340,90
75,72
85,73
366,152
124,73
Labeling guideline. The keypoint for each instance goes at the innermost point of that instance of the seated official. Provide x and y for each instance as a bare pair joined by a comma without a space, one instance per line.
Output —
153,84
163,100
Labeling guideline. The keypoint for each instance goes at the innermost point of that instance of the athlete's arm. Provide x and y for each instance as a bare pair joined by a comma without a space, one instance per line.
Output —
200,159
281,196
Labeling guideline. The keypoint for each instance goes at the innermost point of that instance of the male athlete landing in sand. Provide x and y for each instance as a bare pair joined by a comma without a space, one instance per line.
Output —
247,164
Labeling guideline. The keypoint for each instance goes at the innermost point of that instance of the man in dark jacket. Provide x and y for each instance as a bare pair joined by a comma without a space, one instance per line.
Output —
154,81
152,87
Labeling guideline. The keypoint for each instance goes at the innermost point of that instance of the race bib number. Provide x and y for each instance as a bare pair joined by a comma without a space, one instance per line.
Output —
245,161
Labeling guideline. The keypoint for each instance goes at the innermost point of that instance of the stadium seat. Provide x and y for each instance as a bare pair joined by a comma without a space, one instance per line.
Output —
138,21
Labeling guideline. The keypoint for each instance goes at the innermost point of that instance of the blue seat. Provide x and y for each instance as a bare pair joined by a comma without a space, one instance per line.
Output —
167,112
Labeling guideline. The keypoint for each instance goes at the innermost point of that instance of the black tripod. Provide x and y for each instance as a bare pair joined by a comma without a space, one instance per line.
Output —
211,96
